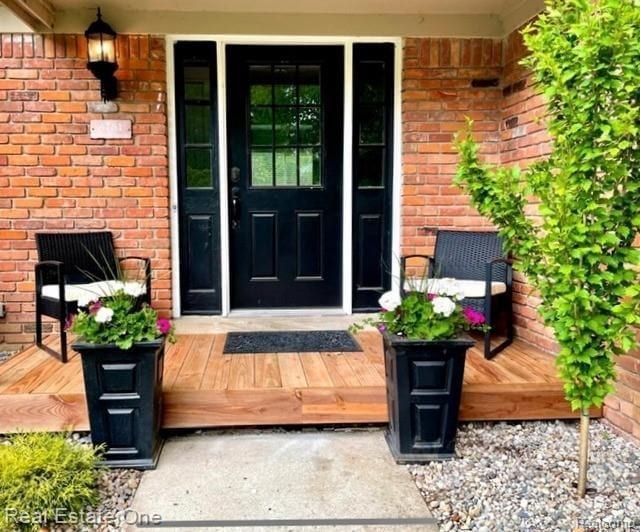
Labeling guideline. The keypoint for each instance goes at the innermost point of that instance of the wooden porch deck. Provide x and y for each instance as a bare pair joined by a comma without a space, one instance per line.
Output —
204,388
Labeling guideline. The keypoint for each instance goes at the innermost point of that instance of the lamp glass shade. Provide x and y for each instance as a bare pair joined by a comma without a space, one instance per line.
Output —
101,47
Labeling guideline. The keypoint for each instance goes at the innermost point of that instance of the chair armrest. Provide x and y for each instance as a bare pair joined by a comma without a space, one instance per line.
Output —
403,267
147,274
54,266
489,272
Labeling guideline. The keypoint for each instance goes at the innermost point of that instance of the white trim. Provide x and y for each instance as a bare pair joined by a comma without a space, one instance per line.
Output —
174,217
301,40
396,191
223,170
347,182
347,190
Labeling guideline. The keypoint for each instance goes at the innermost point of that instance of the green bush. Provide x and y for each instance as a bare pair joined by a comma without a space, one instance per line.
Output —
43,474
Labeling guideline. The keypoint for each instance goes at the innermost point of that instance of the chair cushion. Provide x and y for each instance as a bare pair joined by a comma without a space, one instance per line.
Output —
467,287
92,291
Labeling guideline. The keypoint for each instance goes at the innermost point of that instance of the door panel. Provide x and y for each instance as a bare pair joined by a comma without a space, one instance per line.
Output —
309,245
264,246
285,154
198,186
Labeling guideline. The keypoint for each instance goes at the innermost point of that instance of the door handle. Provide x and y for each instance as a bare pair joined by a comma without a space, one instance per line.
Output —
235,207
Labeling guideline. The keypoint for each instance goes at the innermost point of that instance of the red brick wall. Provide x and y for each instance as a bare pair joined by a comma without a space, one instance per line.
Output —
53,177
438,93
436,97
524,139
510,121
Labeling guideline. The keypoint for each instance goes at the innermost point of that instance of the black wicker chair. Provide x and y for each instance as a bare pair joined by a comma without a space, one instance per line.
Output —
475,256
67,260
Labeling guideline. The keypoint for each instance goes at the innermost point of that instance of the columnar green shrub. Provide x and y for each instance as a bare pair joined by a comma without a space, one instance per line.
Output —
578,252
43,474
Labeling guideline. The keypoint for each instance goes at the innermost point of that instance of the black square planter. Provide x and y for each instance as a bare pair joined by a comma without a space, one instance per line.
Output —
124,398
424,385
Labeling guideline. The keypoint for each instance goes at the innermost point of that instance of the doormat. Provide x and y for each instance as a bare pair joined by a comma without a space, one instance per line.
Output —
290,342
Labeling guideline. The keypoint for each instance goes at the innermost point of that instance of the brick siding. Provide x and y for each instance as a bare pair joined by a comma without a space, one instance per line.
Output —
444,81
509,120
53,177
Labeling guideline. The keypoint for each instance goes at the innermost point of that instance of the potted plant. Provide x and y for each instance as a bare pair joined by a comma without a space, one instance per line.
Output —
425,345
121,342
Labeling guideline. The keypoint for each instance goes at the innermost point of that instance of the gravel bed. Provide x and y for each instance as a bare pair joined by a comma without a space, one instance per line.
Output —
6,355
511,477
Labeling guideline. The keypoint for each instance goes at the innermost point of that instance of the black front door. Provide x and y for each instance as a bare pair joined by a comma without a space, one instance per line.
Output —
284,115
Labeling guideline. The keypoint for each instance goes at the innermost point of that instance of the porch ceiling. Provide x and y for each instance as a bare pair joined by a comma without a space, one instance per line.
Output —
461,18
487,7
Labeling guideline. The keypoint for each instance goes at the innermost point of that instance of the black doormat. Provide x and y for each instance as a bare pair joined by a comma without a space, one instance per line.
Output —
290,342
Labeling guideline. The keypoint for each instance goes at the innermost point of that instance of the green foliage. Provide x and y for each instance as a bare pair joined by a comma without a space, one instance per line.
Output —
416,318
419,316
43,473
116,319
579,254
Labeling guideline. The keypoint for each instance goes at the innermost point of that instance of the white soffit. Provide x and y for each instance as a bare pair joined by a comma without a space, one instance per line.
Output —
10,23
399,7
453,18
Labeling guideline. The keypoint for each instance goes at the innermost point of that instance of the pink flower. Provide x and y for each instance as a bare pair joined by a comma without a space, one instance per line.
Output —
95,307
473,316
163,325
431,297
68,323
382,327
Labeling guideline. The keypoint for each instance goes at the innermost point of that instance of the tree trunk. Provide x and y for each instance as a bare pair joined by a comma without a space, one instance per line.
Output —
584,452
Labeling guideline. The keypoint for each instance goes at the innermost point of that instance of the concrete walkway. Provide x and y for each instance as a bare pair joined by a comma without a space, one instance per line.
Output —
281,475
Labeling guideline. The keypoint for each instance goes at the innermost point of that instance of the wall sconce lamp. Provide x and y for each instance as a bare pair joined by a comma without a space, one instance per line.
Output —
101,48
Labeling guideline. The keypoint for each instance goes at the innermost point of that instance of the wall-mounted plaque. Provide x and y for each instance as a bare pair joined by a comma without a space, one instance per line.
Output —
110,129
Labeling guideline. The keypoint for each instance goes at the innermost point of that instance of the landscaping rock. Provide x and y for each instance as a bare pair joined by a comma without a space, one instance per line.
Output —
522,477
116,490
5,355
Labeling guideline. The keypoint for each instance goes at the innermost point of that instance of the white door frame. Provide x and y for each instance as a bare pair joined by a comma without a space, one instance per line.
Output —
347,195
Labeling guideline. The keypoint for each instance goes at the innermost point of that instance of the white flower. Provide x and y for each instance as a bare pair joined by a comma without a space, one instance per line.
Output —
389,300
133,288
104,315
448,287
443,305
117,285
85,299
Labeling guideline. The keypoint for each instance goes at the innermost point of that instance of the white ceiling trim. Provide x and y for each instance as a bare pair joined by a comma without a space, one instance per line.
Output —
353,7
482,18
206,23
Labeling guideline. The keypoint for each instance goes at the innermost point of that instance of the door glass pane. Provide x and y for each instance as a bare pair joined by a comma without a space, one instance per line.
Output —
196,83
309,125
286,168
286,126
370,167
309,167
372,89
309,80
261,167
372,124
198,123
198,167
261,126
285,84
260,84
